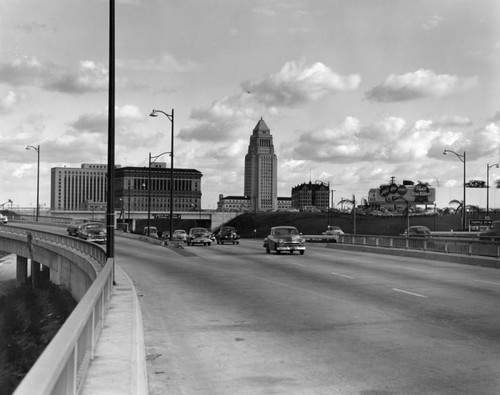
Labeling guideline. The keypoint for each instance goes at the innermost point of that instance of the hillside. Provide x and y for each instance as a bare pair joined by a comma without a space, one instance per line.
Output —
316,223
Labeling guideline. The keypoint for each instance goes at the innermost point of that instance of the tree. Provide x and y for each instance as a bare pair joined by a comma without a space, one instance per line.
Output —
476,184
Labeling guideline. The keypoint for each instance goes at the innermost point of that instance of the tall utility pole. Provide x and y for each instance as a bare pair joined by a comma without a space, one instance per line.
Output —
110,210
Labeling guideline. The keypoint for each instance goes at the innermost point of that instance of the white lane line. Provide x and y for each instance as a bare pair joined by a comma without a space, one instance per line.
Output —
409,293
342,275
487,282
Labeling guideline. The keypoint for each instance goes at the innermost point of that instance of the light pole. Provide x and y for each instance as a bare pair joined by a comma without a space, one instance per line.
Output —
463,160
154,158
37,149
170,117
488,167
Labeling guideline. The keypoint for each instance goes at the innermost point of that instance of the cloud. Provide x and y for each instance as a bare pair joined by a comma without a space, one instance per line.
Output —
221,122
453,121
87,76
8,102
390,140
164,63
298,84
433,22
419,84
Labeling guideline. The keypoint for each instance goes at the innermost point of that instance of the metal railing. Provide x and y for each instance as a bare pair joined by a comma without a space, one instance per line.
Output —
439,244
61,367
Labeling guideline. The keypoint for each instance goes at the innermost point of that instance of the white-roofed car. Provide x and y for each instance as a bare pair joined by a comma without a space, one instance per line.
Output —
334,231
284,238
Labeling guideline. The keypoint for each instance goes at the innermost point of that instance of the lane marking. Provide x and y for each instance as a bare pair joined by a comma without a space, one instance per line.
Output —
487,282
342,275
409,293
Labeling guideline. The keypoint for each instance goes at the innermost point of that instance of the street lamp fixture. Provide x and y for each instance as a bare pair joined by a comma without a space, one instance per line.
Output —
462,159
488,167
152,159
37,149
170,117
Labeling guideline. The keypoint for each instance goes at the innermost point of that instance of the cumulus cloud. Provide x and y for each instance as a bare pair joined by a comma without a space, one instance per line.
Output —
87,76
419,84
390,139
297,83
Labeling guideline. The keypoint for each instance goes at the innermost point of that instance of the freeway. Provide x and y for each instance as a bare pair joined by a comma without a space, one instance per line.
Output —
231,319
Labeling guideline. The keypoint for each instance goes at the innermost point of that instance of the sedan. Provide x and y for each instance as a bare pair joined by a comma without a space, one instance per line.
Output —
199,236
284,238
179,235
93,231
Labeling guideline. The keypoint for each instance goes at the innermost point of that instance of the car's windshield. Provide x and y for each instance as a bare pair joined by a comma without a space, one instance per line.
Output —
286,232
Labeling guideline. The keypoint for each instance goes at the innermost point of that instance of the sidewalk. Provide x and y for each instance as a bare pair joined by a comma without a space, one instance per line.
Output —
119,364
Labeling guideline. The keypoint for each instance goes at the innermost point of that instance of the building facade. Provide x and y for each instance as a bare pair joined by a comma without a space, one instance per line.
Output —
311,197
136,188
81,188
261,170
233,203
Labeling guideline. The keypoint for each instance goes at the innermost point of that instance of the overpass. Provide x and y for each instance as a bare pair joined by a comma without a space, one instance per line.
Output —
69,364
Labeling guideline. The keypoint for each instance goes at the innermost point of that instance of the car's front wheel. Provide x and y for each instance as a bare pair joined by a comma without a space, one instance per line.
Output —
302,252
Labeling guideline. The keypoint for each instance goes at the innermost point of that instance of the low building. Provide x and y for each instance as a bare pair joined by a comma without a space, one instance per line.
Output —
311,196
233,203
140,188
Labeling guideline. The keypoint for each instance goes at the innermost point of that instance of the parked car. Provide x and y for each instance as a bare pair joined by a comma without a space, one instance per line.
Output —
179,235
93,231
4,219
153,232
417,231
284,238
199,236
227,234
492,234
334,231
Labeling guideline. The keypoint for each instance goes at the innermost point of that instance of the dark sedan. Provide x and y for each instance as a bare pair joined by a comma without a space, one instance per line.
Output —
93,231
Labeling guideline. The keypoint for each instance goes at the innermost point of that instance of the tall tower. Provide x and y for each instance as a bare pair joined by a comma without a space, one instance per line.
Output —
261,170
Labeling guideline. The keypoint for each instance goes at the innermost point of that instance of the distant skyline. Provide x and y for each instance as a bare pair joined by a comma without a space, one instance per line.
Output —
354,92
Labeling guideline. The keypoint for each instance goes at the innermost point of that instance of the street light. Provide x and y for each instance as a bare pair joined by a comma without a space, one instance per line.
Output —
170,117
463,160
37,149
488,167
149,184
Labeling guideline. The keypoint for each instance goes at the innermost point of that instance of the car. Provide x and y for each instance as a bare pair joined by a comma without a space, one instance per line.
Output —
4,219
74,225
417,231
93,231
334,231
227,234
179,235
199,236
153,231
492,234
284,238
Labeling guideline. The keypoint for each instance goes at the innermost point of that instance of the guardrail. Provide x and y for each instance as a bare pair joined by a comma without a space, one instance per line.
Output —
444,245
61,367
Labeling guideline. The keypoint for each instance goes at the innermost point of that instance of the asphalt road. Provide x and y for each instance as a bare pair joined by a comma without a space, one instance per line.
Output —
231,319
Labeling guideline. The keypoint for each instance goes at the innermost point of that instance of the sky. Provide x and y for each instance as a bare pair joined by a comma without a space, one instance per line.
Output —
354,92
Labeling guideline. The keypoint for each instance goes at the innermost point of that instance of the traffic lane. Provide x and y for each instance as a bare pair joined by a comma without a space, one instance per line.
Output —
270,308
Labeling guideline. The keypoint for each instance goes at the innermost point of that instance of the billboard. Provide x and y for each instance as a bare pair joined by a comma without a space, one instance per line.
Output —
399,194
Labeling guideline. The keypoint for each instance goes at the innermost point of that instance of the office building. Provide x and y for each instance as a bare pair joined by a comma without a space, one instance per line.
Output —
261,170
